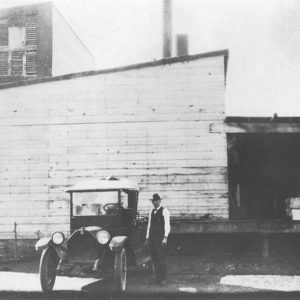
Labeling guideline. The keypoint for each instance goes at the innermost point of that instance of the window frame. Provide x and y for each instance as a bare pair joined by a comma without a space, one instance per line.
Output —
3,21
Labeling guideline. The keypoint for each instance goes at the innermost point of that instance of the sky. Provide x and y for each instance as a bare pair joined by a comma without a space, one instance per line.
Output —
262,36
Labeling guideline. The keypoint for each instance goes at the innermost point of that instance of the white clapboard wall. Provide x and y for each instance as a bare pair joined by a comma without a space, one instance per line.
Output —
149,124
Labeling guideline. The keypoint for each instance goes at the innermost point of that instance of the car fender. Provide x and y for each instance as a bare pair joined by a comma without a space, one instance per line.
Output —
117,243
42,243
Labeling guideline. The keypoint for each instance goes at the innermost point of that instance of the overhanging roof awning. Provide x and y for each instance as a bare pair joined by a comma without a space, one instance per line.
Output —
257,125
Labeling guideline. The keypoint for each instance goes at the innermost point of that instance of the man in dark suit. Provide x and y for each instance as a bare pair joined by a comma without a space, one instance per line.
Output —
157,236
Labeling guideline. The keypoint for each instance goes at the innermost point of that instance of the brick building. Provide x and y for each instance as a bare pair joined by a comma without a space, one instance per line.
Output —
36,41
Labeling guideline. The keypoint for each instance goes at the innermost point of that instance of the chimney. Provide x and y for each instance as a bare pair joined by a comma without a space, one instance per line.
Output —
182,43
167,28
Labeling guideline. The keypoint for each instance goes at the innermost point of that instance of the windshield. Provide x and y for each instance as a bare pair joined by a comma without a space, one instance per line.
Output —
97,203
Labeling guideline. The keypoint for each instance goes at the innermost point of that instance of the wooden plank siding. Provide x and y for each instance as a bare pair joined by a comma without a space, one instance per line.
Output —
149,124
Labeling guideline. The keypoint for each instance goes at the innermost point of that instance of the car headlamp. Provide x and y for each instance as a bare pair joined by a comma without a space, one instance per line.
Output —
103,237
58,238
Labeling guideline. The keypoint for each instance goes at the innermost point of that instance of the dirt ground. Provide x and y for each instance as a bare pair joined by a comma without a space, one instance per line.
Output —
222,265
191,273
218,265
200,264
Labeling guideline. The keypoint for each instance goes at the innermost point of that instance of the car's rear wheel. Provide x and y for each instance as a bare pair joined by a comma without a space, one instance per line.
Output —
48,264
120,271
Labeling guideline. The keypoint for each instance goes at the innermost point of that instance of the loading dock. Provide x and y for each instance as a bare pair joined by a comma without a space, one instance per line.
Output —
263,172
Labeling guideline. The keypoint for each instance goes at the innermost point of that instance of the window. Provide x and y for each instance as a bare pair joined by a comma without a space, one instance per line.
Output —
31,40
17,63
16,37
18,47
3,63
92,203
31,30
3,32
31,63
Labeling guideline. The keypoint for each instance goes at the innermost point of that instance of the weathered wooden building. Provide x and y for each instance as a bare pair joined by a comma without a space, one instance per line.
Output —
36,41
161,124
149,122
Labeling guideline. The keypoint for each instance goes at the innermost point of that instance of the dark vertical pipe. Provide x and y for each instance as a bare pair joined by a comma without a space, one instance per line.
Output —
167,28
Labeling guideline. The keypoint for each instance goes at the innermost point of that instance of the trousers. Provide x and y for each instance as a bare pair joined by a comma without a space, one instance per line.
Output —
159,258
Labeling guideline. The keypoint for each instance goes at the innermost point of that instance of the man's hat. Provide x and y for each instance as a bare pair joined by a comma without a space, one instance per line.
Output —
155,197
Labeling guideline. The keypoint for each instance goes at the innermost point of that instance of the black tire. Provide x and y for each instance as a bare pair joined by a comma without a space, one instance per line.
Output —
47,270
150,268
120,271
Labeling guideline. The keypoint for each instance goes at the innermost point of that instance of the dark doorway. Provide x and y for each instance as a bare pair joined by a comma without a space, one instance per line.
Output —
263,171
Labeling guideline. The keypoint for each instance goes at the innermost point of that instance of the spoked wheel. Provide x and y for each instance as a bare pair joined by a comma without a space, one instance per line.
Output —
48,265
120,271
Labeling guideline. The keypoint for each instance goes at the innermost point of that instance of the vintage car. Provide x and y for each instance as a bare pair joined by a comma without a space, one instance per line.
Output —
106,235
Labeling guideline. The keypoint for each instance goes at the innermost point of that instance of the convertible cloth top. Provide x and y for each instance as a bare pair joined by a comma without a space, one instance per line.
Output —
108,184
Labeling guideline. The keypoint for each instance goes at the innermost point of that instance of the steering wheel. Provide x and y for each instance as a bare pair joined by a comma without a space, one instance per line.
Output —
111,208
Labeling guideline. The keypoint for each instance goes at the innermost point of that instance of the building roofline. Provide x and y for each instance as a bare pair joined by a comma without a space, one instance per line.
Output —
7,8
156,63
273,119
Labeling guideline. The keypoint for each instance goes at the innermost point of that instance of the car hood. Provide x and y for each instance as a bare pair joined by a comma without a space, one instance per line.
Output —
93,230
82,245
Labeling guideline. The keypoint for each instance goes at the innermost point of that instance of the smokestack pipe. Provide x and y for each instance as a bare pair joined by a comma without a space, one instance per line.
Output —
167,28
182,41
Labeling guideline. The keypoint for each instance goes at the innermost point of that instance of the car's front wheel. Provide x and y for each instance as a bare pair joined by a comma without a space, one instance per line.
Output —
120,271
48,264
150,267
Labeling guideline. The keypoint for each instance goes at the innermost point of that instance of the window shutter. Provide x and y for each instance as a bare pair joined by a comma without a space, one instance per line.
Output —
4,32
31,63
3,63
31,30
17,63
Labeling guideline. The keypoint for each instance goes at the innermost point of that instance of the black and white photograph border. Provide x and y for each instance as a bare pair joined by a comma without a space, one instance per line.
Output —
149,148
